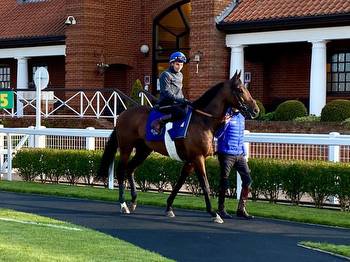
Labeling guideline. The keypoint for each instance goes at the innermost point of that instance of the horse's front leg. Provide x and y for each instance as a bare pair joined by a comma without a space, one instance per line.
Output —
203,181
185,171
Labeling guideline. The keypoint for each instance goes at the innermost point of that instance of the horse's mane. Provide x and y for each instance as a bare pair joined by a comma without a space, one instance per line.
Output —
211,93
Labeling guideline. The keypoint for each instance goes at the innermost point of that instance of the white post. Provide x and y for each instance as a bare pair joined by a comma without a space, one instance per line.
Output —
2,148
22,81
90,141
237,60
318,77
239,180
333,156
40,140
111,176
9,157
38,103
31,140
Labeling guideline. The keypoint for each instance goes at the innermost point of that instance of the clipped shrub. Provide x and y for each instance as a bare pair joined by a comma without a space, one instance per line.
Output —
346,123
294,179
289,110
29,165
268,116
320,182
311,118
336,111
135,90
262,109
266,175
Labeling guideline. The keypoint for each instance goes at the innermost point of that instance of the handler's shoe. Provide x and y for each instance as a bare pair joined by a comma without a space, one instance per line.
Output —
224,214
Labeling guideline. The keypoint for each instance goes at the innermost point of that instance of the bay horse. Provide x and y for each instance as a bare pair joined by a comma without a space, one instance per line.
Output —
208,114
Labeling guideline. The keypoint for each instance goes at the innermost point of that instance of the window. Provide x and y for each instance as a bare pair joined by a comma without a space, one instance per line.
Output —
5,76
338,73
171,33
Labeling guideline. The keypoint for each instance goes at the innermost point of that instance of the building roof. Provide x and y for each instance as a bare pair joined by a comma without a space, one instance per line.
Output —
270,13
31,20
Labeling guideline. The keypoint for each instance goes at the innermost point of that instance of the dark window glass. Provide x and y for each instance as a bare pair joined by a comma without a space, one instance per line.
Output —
338,73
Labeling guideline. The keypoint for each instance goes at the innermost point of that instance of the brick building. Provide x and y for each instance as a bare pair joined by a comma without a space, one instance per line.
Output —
287,50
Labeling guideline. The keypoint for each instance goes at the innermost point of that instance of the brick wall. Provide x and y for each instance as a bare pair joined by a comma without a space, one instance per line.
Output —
204,37
279,72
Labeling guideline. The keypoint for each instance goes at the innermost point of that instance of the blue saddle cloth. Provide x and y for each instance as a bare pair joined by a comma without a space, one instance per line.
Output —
179,129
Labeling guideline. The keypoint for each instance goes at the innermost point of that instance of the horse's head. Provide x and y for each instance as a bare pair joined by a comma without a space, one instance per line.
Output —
239,97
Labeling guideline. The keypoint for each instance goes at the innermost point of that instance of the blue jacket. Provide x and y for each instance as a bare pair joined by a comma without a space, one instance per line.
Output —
230,137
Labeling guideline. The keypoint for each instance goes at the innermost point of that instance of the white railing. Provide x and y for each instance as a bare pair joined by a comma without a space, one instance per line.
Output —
70,103
12,139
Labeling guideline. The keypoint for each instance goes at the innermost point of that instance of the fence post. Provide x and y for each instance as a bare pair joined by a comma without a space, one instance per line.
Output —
333,156
9,157
239,180
31,140
111,176
2,147
90,141
40,140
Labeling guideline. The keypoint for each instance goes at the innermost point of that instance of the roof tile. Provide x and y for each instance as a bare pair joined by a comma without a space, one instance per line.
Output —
259,10
26,20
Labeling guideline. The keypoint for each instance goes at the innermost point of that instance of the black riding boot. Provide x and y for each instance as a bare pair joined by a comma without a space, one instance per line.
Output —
241,210
158,124
221,205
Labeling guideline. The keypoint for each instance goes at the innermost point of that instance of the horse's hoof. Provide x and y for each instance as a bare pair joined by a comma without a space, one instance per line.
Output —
170,213
124,208
218,219
132,207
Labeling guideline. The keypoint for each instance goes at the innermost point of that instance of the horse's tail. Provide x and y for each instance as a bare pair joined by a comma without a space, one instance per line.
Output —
108,156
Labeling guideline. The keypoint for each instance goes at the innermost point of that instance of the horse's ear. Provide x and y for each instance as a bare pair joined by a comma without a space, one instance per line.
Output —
234,77
239,74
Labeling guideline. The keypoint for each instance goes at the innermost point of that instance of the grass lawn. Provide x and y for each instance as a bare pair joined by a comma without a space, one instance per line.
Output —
262,209
343,250
27,237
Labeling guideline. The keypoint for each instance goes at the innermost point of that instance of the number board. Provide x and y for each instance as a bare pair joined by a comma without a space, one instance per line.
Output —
6,99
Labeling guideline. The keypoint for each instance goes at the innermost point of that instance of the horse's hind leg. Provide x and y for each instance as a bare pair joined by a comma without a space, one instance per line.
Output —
142,152
124,157
203,181
186,170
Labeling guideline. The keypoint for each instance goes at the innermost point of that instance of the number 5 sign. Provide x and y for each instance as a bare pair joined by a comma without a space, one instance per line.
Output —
6,99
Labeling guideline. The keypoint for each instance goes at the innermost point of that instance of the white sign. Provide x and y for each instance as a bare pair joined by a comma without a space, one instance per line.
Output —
41,77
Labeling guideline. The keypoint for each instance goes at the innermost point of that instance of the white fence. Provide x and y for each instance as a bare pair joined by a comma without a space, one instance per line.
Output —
12,139
66,103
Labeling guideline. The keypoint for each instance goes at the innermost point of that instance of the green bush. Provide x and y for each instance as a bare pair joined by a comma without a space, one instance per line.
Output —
336,111
319,179
135,90
268,116
289,110
262,110
346,123
311,118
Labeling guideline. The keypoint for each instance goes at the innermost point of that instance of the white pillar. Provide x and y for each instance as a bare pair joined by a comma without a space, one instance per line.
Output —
237,60
318,77
22,81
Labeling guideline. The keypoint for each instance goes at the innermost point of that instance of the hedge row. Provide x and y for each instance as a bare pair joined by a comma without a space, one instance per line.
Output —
270,177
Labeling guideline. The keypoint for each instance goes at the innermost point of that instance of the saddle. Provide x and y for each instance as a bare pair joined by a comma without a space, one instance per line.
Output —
178,128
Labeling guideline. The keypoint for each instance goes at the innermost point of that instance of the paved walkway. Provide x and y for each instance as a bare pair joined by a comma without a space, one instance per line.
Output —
189,236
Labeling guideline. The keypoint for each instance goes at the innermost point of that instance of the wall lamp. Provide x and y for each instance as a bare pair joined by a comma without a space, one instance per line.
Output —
70,20
144,49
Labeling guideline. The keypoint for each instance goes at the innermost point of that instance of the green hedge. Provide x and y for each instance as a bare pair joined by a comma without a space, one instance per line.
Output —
336,111
318,179
289,110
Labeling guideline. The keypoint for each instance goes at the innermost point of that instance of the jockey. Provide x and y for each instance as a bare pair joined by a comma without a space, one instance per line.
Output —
172,102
